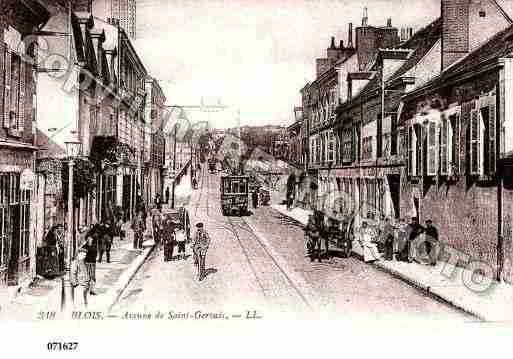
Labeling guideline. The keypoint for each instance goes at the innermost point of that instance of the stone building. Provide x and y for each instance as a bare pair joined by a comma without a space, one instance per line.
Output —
154,140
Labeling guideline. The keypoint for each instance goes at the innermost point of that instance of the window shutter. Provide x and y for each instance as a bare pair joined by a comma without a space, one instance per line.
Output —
2,89
393,135
474,142
353,145
492,148
418,144
444,146
432,153
456,147
21,101
7,89
409,146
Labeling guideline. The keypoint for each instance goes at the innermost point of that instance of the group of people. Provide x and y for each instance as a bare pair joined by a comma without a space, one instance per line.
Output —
97,242
408,241
169,232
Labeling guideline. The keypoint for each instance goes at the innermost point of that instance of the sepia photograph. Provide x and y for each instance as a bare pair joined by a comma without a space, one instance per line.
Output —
297,166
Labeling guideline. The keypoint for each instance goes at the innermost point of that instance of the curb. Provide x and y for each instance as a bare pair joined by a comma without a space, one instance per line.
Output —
417,284
426,288
113,295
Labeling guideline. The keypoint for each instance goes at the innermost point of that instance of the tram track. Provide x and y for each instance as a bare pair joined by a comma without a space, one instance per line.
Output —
264,266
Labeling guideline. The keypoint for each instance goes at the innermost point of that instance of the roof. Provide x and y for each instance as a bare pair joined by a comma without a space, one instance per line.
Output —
500,45
420,44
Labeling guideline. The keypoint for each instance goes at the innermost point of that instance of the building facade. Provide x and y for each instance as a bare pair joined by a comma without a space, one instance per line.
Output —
18,195
154,139
424,132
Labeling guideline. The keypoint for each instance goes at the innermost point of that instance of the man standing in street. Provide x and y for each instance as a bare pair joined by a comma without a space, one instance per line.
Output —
80,279
200,248
91,248
138,228
254,198
431,242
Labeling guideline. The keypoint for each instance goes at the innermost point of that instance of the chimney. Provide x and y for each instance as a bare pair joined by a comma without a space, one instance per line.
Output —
365,17
410,34
403,35
389,22
332,46
350,36
455,30
341,44
82,5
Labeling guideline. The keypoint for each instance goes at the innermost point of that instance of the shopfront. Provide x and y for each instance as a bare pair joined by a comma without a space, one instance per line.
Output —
17,247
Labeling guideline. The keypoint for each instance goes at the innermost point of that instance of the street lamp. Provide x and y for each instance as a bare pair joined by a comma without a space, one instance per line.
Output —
73,150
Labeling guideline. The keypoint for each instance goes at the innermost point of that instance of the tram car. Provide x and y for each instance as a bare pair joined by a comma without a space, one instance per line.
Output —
234,195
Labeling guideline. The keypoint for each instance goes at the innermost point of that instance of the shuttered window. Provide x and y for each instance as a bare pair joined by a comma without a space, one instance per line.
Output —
419,149
432,149
455,155
488,115
7,88
475,143
444,146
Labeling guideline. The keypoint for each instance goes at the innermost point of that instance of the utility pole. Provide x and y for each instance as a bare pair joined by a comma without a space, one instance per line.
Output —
174,168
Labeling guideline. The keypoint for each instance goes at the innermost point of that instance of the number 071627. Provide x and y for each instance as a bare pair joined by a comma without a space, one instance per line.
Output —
62,346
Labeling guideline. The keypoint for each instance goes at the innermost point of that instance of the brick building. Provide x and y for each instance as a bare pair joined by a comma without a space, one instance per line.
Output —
18,196
458,137
424,132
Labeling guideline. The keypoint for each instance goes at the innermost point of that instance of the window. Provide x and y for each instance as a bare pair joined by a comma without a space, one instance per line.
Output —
371,198
444,146
347,146
488,117
367,148
413,159
331,146
432,149
455,144
475,143
17,75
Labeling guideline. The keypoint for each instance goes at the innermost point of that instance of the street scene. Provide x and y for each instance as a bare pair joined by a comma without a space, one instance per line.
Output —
208,173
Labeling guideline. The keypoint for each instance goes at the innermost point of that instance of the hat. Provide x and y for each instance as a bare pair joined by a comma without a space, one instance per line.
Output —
199,225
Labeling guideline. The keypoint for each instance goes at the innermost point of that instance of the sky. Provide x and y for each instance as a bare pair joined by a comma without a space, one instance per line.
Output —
254,55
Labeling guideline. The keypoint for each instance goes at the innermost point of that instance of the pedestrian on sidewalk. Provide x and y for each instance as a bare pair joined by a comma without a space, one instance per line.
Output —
138,228
312,236
91,248
387,236
158,202
431,242
80,279
168,237
167,195
200,248
180,240
157,227
254,198
105,236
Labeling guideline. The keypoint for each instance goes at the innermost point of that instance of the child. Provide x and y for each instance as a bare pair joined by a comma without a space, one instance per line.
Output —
180,239
80,279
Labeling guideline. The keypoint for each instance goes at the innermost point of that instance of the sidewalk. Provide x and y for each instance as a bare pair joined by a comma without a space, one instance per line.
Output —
495,304
111,279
